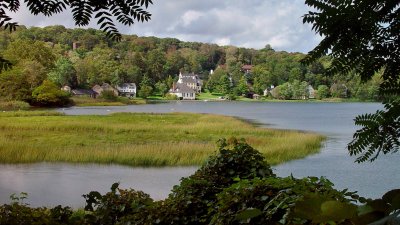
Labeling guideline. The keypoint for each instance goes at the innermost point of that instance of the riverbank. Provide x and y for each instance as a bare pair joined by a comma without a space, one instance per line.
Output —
138,139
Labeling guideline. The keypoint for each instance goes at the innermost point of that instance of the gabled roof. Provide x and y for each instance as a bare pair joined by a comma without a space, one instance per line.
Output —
124,85
247,67
83,92
183,88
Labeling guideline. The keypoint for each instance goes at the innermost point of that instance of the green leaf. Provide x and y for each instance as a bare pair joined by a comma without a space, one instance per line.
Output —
338,211
248,214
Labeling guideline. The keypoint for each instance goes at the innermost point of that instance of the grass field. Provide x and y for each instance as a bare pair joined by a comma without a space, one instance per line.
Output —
138,139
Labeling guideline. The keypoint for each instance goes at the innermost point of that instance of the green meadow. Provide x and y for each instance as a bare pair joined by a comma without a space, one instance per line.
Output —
139,139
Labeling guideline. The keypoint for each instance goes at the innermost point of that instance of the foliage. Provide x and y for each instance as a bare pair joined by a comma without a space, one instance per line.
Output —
14,105
363,36
380,133
273,200
18,213
111,207
14,85
171,97
124,12
63,73
191,202
145,88
322,92
48,94
235,186
162,88
108,95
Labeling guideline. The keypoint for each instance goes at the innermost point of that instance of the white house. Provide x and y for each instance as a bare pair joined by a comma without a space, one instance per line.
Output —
311,92
127,89
183,91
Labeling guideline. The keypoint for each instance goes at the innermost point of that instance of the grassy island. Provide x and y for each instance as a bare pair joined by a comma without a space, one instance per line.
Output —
138,139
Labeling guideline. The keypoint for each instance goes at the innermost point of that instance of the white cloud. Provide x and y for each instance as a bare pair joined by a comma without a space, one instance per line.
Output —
250,23
223,41
190,16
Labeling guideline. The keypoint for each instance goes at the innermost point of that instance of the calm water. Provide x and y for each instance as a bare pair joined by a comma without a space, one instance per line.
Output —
52,184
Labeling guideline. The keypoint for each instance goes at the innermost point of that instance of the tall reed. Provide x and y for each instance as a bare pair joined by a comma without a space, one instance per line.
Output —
138,139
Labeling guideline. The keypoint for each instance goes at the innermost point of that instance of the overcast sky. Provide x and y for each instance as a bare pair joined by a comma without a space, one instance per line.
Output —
244,23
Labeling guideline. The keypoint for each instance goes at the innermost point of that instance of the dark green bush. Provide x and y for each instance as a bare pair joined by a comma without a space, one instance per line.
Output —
48,94
110,208
18,213
108,95
192,201
270,200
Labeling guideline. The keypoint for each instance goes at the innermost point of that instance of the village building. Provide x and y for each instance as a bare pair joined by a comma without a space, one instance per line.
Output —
187,86
191,80
127,89
183,91
311,92
66,88
84,93
247,68
104,87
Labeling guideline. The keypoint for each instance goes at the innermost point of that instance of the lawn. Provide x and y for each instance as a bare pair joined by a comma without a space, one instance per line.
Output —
138,139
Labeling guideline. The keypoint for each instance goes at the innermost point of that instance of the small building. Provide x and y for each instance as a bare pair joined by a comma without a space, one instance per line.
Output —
266,92
66,88
84,92
311,92
104,87
247,68
183,91
127,89
256,96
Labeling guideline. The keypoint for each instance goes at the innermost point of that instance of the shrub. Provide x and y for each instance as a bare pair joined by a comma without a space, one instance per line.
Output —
270,200
114,205
108,95
14,105
18,213
171,97
48,94
191,202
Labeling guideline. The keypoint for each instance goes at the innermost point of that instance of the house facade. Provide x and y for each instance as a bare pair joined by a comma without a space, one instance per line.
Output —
183,91
127,89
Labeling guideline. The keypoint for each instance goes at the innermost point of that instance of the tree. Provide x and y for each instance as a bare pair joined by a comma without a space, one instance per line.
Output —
49,94
242,88
145,87
224,85
63,73
125,12
364,36
161,88
322,91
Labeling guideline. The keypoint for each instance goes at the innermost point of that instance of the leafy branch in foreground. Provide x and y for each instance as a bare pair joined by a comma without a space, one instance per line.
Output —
123,11
380,133
363,36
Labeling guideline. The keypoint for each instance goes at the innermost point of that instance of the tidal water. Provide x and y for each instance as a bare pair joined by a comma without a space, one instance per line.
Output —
52,184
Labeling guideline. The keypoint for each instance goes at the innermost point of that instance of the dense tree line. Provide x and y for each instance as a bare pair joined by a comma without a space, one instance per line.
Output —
40,54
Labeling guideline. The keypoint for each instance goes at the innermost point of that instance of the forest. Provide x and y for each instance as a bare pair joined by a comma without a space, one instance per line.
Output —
45,59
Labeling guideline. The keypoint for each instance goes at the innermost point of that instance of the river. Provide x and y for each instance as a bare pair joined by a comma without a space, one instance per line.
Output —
52,184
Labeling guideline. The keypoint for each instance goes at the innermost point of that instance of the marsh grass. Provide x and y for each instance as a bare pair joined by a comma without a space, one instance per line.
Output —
138,139
120,101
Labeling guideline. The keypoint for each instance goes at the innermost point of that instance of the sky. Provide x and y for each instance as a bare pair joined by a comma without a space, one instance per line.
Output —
242,23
